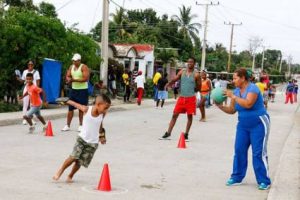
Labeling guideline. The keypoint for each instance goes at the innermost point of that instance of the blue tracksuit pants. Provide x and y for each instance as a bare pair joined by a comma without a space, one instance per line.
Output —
252,132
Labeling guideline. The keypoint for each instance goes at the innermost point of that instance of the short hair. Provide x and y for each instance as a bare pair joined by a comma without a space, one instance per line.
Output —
105,98
29,75
193,58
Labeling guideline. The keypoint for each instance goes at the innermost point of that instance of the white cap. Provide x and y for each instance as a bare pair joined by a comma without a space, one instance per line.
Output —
76,57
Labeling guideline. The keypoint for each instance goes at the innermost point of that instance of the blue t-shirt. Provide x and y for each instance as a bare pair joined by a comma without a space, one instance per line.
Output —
258,109
290,87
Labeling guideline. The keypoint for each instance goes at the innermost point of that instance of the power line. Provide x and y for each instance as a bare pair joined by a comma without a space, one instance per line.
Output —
264,18
64,5
93,21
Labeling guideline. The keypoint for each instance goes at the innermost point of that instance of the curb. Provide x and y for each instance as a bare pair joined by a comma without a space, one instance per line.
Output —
61,112
286,184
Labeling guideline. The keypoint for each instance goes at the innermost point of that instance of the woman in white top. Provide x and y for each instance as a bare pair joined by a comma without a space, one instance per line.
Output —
36,81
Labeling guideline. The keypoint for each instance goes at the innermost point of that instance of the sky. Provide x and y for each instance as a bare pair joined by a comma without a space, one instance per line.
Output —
276,22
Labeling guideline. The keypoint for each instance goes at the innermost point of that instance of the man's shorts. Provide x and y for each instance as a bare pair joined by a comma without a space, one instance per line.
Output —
34,110
185,105
83,151
79,96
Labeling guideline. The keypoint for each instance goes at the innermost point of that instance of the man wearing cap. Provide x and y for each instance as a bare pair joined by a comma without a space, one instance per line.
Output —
78,76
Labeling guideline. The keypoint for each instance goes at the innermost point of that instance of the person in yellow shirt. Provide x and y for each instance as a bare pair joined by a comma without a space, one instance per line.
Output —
155,79
262,87
126,82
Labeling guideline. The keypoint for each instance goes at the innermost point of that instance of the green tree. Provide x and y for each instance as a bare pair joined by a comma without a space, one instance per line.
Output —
47,10
186,27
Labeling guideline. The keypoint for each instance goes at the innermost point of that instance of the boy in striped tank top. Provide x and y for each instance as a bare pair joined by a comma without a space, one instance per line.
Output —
91,134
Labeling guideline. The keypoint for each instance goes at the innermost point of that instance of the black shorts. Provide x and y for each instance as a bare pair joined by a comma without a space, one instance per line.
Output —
79,96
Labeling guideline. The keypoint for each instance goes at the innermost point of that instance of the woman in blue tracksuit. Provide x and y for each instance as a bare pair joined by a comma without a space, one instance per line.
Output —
252,129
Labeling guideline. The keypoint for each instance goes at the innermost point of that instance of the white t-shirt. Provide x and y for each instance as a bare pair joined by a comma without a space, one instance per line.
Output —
224,83
36,75
140,80
90,127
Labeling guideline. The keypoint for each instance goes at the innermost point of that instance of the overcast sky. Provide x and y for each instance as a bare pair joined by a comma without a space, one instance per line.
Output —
275,21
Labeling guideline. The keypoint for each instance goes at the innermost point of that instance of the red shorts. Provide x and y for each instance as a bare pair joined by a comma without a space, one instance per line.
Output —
186,105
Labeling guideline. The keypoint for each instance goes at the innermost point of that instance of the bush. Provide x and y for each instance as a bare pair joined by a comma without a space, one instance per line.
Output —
5,107
148,93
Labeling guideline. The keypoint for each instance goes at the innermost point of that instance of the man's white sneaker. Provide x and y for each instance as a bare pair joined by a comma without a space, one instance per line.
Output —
66,128
79,128
24,122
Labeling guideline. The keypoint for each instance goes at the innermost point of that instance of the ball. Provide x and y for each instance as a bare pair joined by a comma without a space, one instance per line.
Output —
217,95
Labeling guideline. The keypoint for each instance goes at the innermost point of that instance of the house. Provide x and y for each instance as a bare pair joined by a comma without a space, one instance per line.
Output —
140,56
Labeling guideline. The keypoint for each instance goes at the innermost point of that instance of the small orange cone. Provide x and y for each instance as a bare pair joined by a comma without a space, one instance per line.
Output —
49,131
181,142
104,183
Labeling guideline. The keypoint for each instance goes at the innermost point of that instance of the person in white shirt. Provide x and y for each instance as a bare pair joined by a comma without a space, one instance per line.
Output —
140,80
91,134
36,81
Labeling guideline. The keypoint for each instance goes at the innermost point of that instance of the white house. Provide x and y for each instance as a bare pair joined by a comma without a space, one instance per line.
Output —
134,55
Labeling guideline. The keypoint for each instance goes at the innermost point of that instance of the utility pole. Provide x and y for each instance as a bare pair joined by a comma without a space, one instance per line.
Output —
231,39
205,32
280,66
263,59
104,42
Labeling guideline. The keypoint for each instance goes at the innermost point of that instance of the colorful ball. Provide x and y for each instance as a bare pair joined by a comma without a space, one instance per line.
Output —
217,95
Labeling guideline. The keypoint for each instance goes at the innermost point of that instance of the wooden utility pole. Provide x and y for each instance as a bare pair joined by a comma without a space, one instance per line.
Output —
205,32
104,42
231,39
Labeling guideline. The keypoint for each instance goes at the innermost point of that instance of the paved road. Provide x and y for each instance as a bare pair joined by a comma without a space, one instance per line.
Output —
141,166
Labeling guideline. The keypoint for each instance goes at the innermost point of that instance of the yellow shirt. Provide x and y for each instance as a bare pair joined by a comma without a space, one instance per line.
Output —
261,86
125,79
156,77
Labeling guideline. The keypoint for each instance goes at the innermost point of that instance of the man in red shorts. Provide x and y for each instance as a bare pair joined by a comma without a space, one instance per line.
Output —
190,81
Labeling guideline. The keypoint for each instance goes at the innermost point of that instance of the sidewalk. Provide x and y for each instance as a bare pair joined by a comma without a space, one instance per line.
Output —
58,111
286,183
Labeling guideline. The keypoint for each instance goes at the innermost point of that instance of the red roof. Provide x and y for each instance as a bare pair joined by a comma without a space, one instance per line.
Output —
139,47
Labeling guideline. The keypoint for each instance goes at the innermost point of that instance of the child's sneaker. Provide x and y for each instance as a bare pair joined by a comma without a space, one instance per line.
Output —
232,182
31,129
165,136
66,128
79,128
33,122
263,186
45,127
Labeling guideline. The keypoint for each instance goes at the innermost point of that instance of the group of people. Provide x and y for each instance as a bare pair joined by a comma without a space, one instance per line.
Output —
253,124
252,128
291,92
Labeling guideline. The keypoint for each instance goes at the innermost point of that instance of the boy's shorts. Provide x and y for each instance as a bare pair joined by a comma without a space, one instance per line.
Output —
185,105
83,151
34,110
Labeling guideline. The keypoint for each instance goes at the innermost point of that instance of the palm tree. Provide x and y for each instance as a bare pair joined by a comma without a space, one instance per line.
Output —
186,27
120,20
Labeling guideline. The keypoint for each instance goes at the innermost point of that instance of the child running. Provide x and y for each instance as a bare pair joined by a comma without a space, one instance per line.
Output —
35,103
162,90
91,134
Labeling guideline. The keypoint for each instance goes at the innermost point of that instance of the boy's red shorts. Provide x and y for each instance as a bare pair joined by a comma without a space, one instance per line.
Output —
186,105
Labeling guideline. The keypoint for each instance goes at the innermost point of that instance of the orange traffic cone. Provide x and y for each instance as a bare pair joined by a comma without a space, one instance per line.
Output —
181,142
49,131
104,183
